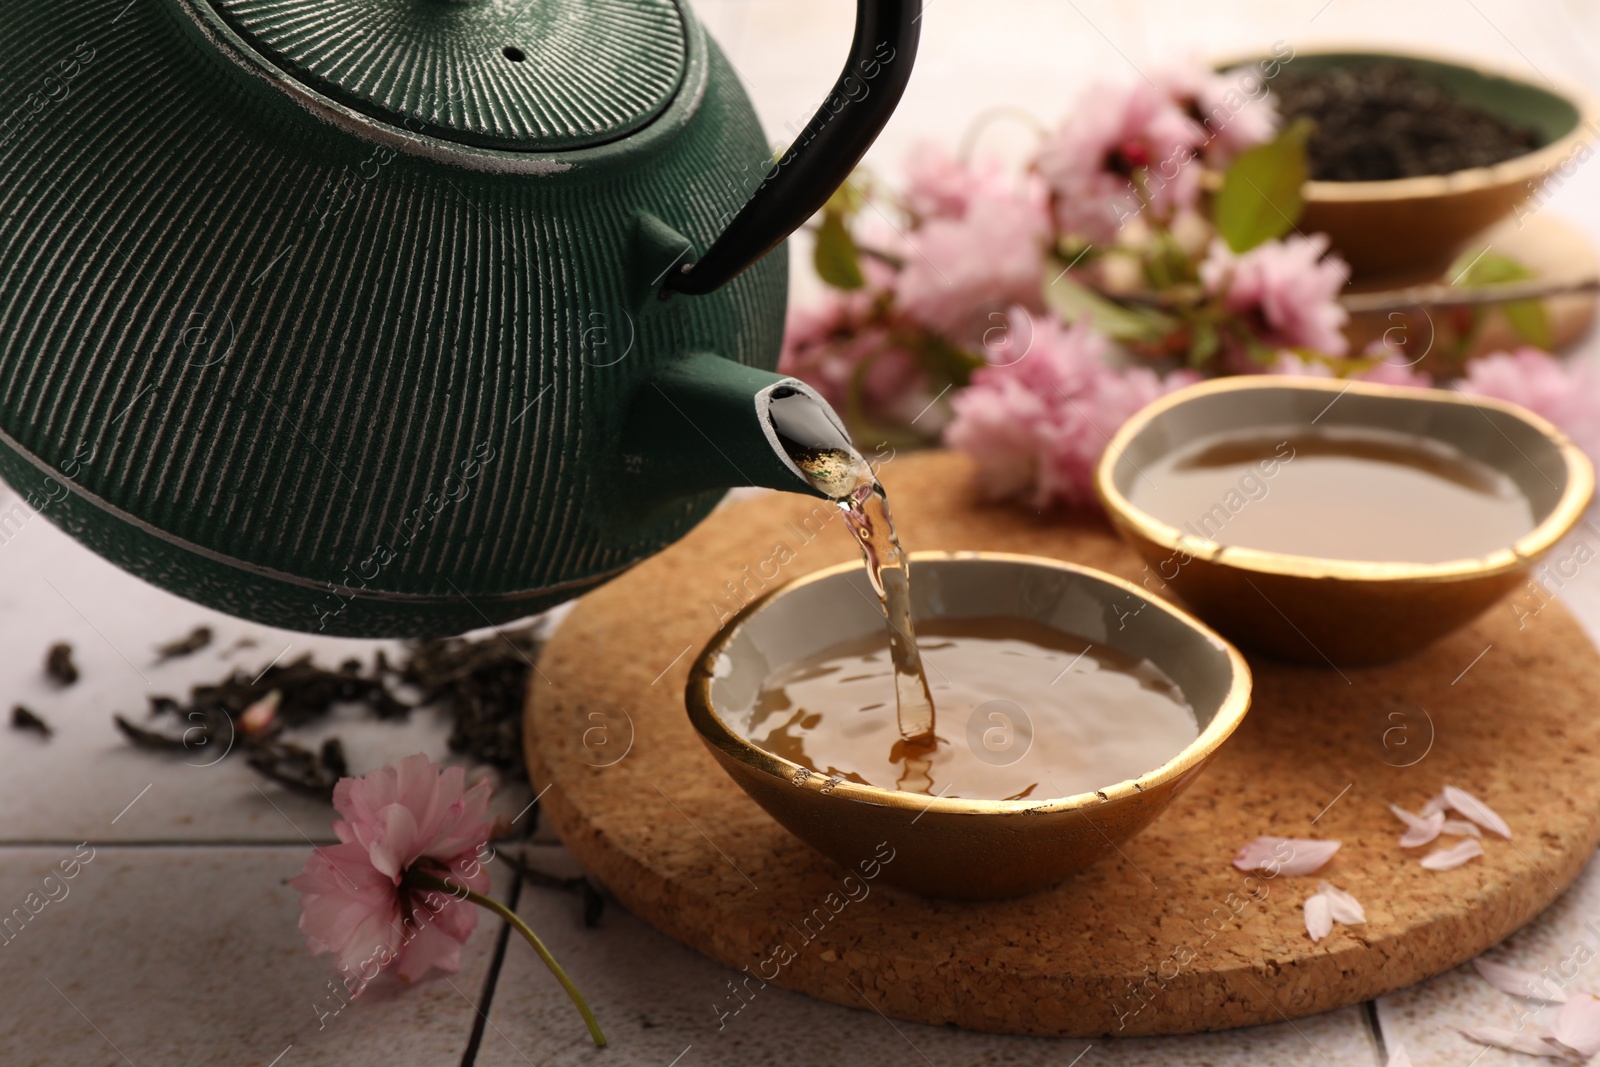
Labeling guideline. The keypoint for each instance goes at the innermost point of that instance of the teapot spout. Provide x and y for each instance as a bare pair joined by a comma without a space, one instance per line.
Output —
706,423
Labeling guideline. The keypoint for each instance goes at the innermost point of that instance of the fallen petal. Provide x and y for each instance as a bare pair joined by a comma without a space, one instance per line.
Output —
1523,1041
1435,805
1518,982
1445,859
1419,829
1461,828
1578,1025
1289,856
1319,916
1476,810
1418,836
258,717
1345,908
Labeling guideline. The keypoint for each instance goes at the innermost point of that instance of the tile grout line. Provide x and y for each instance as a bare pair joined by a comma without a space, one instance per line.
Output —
1380,1047
491,979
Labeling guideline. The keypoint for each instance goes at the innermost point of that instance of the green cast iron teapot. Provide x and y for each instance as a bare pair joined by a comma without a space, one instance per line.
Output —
400,317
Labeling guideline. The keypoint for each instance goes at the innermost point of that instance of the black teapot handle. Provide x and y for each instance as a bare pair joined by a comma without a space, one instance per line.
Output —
826,151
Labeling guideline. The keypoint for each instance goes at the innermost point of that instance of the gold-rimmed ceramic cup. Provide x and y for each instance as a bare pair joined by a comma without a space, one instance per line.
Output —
945,846
1336,611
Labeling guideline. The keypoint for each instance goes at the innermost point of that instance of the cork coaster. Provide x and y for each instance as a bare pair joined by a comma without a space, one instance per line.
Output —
1166,937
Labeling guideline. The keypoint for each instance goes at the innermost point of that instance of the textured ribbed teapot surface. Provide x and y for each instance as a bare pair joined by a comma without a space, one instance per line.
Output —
327,371
539,76
320,357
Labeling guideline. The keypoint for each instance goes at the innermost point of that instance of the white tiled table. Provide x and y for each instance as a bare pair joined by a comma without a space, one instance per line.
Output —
177,944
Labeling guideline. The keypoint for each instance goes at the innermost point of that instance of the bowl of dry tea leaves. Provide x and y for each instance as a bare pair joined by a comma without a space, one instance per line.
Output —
1412,154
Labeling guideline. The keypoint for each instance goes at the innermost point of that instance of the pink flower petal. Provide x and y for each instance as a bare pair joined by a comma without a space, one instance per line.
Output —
1476,810
1345,908
1435,805
353,899
1446,859
257,718
1419,830
1518,982
1578,1025
1568,394
1461,828
1523,1041
1319,916
431,946
1292,857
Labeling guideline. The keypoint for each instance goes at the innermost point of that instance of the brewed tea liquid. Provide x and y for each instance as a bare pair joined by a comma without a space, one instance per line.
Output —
837,470
1336,493
1025,711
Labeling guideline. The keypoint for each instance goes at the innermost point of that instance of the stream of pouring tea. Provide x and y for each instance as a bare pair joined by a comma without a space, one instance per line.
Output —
838,470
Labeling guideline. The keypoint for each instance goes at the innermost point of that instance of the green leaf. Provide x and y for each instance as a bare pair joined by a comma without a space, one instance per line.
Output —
1529,319
1073,301
1488,268
1260,198
1203,343
944,362
850,197
835,257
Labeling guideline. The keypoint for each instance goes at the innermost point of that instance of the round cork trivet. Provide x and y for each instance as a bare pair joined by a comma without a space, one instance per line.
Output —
1167,937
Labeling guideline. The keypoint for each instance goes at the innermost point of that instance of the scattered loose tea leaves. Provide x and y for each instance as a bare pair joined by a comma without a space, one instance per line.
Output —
239,645
58,664
187,645
24,719
480,683
299,769
251,714
1383,120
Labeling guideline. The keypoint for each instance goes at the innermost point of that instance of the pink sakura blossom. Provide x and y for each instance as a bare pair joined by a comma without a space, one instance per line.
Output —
1286,290
1113,134
1566,393
1037,421
958,268
354,897
827,344
1233,108
940,186
1292,857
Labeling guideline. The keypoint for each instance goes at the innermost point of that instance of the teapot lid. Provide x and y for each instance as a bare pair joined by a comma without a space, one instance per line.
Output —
525,75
